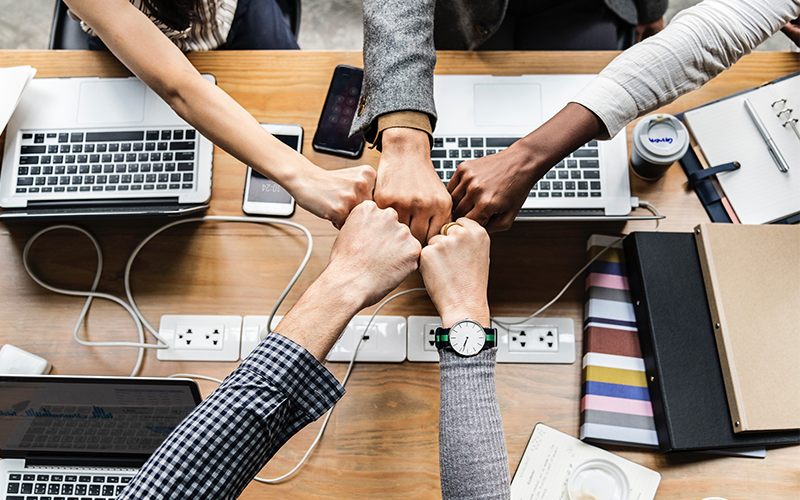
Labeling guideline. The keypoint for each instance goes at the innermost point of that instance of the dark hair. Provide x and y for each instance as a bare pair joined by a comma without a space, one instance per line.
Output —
177,14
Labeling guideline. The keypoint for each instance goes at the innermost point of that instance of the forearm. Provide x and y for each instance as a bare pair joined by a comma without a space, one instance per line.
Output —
316,327
152,57
565,132
228,125
217,450
698,44
473,460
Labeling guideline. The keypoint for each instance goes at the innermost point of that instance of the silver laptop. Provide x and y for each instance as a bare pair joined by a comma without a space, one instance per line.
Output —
83,437
101,146
480,115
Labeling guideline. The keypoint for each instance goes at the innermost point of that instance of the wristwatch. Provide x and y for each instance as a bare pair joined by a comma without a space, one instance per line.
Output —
466,337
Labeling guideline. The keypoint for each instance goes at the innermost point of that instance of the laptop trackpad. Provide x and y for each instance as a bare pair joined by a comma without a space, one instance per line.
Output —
508,105
111,102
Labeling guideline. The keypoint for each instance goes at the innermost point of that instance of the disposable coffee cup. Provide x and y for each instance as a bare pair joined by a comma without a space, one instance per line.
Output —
658,141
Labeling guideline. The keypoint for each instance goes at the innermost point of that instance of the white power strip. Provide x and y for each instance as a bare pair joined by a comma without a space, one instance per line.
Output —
386,340
536,340
200,338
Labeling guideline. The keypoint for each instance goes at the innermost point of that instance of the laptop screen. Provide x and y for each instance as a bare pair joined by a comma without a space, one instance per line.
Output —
90,416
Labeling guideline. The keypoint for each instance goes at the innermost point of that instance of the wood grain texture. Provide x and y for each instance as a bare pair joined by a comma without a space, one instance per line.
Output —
383,438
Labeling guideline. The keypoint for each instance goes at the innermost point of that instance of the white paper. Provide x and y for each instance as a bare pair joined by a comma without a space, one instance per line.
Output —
12,83
758,191
551,456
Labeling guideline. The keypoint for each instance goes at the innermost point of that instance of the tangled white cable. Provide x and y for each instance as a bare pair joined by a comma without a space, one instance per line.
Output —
130,306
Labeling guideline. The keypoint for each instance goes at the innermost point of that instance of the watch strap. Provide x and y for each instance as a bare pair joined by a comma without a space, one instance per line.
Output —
442,338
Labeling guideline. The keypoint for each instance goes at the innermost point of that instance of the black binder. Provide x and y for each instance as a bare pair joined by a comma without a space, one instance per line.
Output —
682,364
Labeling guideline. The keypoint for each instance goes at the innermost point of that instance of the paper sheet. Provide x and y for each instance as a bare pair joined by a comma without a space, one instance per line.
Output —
758,191
12,83
551,456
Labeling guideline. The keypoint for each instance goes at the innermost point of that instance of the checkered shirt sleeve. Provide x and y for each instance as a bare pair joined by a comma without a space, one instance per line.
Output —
219,447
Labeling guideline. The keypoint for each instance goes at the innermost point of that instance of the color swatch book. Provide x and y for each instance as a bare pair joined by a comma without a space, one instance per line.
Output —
615,402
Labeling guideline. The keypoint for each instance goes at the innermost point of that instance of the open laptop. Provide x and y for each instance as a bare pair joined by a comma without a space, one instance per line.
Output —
83,437
480,115
101,146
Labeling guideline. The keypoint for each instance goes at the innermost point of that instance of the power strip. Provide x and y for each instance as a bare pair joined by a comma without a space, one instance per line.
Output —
536,340
200,338
386,340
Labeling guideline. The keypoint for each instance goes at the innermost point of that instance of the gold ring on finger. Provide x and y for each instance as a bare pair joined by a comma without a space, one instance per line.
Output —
448,226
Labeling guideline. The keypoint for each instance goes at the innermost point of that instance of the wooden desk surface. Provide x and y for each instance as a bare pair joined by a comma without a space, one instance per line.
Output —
382,441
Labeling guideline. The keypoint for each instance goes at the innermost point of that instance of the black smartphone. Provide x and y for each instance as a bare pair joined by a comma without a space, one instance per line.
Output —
333,130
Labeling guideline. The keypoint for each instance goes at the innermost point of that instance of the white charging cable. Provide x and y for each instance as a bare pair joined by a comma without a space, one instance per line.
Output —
640,203
130,306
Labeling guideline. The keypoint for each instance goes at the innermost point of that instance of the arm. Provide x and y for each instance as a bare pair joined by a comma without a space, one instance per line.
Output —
134,39
281,386
473,460
399,58
699,43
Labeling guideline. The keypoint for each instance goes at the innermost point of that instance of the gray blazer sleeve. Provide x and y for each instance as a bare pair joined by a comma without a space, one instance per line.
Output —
399,58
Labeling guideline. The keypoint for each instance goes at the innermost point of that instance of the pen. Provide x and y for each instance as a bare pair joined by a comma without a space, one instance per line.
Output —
771,146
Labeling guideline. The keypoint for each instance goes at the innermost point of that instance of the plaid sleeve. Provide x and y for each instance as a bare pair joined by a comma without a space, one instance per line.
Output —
219,447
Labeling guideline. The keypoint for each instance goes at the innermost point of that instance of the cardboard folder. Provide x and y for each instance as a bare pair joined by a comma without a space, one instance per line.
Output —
752,280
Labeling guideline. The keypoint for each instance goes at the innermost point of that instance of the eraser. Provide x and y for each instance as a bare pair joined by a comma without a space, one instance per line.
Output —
15,361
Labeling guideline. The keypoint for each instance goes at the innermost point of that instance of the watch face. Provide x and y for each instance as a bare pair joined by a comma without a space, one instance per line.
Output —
467,338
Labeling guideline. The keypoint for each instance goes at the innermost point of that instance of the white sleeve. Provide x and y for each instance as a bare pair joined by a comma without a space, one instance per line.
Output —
698,44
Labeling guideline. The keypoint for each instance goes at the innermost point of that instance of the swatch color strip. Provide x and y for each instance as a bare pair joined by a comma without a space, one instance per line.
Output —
615,402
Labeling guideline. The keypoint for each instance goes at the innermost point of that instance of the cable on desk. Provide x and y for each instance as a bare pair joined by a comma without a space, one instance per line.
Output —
643,204
130,306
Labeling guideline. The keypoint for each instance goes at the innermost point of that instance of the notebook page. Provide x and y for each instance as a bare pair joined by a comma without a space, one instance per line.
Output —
758,191
551,456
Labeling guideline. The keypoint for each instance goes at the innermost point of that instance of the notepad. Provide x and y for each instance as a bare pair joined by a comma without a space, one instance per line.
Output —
752,279
758,192
12,82
550,458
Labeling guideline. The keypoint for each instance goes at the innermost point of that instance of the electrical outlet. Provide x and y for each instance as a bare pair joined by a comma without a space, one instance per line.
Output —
252,327
535,340
529,338
538,340
384,342
200,338
421,332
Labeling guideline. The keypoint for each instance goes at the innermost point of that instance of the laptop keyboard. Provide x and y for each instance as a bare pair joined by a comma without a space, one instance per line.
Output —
22,486
60,161
576,176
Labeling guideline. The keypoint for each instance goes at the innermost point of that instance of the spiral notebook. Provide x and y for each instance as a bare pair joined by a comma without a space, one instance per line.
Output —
758,192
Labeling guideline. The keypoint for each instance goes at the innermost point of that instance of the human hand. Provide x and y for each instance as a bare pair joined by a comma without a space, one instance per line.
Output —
332,194
455,269
492,189
792,30
372,254
408,183
647,30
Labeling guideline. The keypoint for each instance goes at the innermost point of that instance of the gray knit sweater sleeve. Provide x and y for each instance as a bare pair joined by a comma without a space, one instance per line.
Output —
473,461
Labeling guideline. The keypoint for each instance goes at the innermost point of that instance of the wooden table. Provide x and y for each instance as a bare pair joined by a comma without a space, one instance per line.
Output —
382,439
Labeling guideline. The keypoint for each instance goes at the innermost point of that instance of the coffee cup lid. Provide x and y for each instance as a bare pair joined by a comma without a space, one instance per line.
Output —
600,479
661,138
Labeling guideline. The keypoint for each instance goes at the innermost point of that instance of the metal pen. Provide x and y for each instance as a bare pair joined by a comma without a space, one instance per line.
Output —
771,146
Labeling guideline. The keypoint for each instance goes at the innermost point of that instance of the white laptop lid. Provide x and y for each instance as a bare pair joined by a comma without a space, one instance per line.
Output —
514,106
95,105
